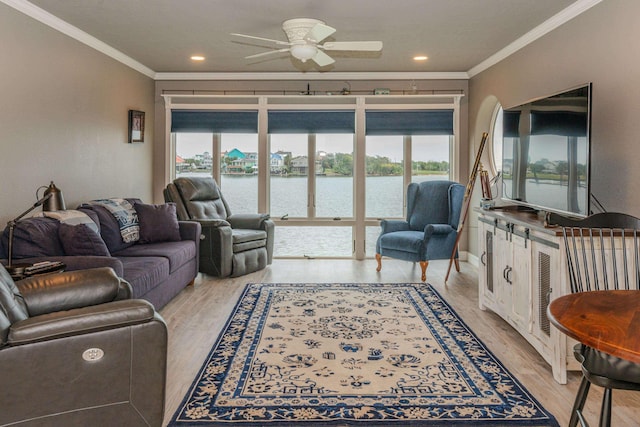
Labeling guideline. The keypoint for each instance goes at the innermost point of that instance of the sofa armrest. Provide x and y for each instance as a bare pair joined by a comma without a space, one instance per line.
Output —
49,293
81,321
392,225
212,223
248,221
190,230
433,229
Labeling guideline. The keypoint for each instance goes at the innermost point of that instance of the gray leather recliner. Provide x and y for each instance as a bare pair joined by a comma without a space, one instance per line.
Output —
231,244
75,350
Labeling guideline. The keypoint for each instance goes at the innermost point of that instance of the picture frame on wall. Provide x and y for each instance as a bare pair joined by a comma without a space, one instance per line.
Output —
136,126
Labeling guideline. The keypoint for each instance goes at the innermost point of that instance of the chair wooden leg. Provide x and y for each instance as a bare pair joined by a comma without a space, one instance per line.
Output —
578,404
457,264
379,259
423,266
605,412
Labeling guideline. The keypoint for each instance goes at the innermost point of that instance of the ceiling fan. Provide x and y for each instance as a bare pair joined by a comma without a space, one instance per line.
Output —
305,35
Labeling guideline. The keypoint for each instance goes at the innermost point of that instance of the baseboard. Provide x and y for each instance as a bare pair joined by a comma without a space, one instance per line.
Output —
472,259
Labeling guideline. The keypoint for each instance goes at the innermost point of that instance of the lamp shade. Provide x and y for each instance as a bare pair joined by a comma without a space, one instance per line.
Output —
56,201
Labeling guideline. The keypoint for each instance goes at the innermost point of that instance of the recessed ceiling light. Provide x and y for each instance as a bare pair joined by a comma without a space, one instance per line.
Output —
420,58
197,58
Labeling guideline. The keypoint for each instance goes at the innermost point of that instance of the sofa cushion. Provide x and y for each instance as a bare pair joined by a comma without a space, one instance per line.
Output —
144,273
178,253
158,223
34,237
406,241
81,240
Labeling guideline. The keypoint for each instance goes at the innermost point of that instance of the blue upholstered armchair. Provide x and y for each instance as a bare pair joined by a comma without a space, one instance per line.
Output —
431,227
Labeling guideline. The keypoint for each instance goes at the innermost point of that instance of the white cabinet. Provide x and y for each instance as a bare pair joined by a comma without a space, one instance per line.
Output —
519,275
505,289
517,292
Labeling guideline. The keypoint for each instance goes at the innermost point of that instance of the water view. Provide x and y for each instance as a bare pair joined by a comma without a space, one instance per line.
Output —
384,199
332,158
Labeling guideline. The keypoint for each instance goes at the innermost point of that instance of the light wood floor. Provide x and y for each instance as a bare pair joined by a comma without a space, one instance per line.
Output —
196,316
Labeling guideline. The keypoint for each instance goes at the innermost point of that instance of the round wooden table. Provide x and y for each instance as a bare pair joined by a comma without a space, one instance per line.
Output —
608,321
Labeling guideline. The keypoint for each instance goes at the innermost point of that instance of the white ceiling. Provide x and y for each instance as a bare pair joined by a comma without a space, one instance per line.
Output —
159,36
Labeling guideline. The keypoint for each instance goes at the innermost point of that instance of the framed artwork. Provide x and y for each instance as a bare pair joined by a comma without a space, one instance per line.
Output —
136,126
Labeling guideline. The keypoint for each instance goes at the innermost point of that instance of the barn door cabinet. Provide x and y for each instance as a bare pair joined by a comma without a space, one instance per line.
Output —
521,270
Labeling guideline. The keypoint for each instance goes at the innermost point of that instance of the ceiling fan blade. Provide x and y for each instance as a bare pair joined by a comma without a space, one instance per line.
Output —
257,55
322,59
319,32
262,38
364,46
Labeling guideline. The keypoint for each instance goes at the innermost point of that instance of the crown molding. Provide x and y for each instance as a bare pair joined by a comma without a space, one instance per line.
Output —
315,76
56,23
546,27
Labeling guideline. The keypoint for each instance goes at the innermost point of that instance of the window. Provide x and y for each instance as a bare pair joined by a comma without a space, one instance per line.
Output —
239,171
334,176
221,144
325,185
384,172
289,196
313,241
430,157
193,154
404,146
496,136
314,181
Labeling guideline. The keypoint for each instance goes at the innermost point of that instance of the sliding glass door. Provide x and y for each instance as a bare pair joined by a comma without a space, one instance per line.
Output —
312,193
326,176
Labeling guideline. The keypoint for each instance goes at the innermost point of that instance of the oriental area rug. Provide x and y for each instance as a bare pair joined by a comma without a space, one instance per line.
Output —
336,354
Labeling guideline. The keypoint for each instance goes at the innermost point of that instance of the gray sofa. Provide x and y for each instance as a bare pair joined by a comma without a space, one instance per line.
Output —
157,267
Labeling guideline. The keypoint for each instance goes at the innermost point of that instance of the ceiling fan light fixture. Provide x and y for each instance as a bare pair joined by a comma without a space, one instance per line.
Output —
303,51
304,36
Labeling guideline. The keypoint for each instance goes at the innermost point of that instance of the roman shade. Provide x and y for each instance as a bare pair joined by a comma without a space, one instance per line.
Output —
286,121
412,122
208,121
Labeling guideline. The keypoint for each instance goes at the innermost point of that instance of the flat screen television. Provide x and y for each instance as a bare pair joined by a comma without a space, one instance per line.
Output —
546,151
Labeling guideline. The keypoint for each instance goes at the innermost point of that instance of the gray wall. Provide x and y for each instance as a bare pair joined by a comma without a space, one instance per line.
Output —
599,46
63,117
63,108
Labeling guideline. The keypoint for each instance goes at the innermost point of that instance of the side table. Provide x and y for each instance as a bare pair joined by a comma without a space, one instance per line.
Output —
22,271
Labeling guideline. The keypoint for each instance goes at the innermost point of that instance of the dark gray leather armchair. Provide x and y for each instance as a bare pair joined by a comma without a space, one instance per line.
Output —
231,244
76,351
